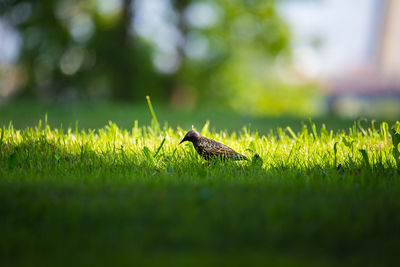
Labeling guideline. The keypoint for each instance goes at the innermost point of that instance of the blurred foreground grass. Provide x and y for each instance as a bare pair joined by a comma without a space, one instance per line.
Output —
106,197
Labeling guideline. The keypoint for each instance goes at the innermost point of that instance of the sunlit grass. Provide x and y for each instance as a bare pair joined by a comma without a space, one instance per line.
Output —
147,148
313,196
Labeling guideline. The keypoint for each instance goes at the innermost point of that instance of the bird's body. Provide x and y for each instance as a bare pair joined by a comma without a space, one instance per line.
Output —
209,149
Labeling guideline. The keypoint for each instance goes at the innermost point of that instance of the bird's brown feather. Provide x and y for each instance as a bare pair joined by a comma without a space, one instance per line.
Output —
208,148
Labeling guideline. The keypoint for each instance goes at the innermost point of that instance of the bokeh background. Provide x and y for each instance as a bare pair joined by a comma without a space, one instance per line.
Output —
97,60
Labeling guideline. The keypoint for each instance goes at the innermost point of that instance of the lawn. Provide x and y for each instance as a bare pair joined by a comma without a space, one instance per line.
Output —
96,115
119,195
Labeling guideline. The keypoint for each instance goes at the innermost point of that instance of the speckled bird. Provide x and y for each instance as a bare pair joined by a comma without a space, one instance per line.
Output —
208,148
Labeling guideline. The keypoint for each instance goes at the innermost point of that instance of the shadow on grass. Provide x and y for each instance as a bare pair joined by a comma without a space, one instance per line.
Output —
109,208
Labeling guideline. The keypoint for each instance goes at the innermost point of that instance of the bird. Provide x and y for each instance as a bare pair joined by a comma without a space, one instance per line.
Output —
209,149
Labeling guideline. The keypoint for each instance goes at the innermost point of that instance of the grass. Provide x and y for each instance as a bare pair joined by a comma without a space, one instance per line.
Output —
96,115
122,196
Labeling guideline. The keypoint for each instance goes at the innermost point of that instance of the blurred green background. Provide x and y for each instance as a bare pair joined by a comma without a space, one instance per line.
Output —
247,57
186,54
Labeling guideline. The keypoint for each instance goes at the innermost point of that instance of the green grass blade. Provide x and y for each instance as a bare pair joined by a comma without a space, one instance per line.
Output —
153,114
159,148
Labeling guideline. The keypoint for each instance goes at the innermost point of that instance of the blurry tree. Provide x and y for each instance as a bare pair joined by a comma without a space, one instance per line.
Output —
225,54
230,49
78,49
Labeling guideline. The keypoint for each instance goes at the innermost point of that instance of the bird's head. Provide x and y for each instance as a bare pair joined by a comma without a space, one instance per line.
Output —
191,136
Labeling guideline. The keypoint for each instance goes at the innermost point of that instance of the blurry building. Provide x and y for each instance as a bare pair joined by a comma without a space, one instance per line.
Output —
372,87
388,39
353,49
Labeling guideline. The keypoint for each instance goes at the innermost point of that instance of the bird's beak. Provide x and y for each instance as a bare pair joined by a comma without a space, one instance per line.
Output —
183,140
